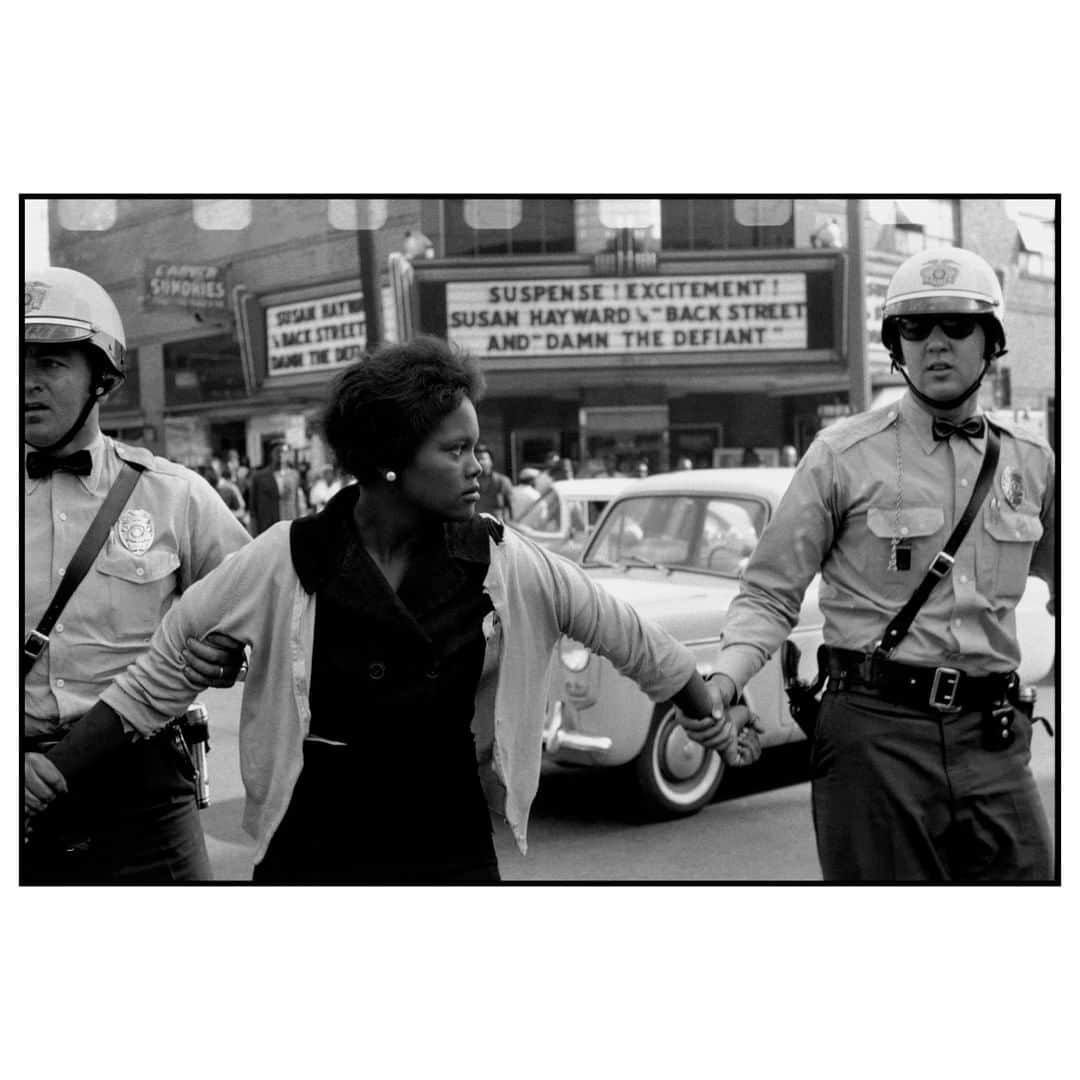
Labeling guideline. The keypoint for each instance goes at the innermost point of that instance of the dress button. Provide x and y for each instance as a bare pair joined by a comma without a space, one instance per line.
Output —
60,572
139,571
376,669
59,627
59,682
963,482
963,579
903,530
63,517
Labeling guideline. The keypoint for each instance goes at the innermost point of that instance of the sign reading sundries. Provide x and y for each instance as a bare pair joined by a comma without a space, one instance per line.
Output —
191,286
602,316
310,334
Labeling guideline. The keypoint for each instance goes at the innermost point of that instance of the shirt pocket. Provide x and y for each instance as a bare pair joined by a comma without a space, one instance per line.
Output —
1013,536
919,528
139,589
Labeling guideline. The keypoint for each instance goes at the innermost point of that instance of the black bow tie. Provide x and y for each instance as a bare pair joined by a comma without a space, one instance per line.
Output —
973,428
39,464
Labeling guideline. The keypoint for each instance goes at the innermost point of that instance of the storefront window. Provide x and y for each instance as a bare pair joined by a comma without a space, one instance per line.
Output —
713,225
203,370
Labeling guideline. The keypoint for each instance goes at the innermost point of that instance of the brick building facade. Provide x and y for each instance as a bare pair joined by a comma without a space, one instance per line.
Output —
645,328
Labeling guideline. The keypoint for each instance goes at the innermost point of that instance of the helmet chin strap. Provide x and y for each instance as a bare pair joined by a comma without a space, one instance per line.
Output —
96,393
936,403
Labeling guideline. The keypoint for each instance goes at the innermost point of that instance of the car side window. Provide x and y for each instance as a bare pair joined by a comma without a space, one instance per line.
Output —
543,515
577,517
623,531
729,534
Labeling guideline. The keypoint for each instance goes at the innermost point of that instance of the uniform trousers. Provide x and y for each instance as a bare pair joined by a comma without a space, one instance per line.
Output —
901,794
134,821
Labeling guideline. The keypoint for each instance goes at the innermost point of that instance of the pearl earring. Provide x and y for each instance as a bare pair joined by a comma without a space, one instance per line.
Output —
391,476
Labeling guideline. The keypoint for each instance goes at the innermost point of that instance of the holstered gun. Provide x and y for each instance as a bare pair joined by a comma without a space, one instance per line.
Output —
802,696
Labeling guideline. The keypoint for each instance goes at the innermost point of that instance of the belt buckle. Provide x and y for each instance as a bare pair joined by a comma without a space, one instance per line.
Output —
944,688
35,644
942,564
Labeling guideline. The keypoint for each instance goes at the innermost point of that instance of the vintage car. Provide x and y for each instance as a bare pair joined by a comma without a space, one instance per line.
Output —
673,546
562,519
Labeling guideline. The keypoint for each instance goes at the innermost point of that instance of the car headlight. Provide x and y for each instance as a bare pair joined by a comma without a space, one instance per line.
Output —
574,656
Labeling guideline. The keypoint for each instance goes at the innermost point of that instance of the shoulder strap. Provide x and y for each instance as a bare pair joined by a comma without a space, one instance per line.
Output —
943,561
81,561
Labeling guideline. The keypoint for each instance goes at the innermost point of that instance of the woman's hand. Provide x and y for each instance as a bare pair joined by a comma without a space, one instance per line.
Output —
734,732
42,782
747,745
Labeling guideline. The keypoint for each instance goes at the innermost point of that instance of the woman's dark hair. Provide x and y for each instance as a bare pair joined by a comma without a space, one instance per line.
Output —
383,407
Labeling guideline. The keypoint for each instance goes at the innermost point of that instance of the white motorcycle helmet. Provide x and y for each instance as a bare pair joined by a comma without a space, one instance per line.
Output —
944,281
62,306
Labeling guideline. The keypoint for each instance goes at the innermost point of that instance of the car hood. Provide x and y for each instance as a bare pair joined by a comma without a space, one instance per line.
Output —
659,596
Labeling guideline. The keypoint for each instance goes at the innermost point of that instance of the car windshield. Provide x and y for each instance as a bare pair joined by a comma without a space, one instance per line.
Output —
715,534
543,515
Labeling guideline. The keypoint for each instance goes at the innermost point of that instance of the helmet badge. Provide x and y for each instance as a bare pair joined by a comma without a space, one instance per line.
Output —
136,531
33,295
940,272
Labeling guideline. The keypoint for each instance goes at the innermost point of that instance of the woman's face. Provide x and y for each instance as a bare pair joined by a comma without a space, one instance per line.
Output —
442,479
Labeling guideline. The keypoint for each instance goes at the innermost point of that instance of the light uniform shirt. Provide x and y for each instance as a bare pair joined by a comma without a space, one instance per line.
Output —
186,529
840,516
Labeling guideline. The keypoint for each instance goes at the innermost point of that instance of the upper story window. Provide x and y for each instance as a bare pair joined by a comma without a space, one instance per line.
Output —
86,215
913,225
499,226
355,214
492,213
1037,255
222,214
726,224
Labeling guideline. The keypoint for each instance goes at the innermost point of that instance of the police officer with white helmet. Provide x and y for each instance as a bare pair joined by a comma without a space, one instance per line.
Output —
135,817
921,747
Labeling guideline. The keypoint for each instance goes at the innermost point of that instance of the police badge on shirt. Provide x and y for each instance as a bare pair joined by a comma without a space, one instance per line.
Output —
135,531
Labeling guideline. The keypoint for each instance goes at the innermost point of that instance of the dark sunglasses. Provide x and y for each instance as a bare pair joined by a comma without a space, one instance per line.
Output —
918,327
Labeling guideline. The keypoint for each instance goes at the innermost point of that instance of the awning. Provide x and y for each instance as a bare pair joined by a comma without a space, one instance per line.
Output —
1036,236
911,212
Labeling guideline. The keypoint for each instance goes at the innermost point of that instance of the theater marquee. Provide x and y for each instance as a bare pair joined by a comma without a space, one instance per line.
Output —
629,315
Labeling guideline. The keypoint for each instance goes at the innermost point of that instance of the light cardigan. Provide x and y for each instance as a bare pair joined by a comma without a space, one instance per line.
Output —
256,597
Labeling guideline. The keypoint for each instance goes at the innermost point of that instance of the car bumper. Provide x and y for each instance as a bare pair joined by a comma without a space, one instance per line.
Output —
560,739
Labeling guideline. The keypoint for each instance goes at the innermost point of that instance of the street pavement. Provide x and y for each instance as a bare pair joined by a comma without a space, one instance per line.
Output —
585,828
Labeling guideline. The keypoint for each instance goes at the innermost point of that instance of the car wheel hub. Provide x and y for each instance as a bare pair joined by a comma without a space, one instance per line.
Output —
680,757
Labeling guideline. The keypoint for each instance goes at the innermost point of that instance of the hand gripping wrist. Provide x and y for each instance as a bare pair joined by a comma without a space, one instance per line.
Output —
723,687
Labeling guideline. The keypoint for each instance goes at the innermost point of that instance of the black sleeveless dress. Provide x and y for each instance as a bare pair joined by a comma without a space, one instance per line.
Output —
393,681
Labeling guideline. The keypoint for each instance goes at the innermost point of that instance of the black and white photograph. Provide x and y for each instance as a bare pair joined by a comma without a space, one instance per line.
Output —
542,542
647,518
